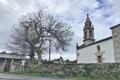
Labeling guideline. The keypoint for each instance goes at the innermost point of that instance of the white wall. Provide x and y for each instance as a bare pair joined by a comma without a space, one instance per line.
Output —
87,54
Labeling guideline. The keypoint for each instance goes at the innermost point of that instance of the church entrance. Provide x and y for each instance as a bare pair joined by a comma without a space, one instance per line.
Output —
99,59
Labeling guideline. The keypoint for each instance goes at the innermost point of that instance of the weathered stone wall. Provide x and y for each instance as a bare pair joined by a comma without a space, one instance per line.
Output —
15,66
1,66
92,70
116,42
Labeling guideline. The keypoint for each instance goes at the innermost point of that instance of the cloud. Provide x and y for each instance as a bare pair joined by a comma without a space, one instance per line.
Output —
116,11
103,14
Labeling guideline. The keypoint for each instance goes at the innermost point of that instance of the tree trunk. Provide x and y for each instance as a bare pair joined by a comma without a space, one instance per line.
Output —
32,50
39,57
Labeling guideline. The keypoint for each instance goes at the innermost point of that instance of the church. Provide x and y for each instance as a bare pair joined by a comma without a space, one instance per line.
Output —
103,51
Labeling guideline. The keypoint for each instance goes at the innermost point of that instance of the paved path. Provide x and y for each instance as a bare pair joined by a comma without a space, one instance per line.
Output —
19,77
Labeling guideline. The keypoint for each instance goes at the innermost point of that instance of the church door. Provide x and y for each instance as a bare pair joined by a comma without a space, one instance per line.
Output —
99,59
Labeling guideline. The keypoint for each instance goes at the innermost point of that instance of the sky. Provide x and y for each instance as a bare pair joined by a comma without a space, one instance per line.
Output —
103,14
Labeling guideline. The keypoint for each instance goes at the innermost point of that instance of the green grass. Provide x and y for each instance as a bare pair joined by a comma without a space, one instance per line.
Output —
81,78
35,74
38,74
43,74
88,78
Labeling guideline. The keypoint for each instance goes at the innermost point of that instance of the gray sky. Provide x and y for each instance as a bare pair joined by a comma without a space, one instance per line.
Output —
103,14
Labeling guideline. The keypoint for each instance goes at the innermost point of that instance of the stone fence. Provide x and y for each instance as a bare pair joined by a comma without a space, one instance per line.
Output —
111,70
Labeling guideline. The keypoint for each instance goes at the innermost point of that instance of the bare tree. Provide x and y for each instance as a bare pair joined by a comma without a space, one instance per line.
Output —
35,31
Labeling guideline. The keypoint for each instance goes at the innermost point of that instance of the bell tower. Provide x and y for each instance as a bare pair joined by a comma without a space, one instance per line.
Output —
88,32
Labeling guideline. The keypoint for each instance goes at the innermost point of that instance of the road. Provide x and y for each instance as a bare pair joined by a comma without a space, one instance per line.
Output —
19,77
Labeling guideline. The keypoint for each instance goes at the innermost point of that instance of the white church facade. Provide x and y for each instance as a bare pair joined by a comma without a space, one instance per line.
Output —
103,51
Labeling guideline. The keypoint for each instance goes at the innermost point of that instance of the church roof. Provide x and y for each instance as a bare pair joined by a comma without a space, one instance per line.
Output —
12,55
83,46
115,26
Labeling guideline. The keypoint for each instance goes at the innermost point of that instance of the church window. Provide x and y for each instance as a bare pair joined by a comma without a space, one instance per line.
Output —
91,33
98,47
99,59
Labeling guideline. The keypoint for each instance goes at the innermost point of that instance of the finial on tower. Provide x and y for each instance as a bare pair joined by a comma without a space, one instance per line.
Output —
88,19
87,15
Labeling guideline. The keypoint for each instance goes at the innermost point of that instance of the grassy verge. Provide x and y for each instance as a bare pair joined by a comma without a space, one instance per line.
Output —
88,78
38,74
35,74
81,78
43,74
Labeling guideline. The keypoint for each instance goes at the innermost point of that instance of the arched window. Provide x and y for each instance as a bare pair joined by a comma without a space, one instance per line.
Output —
90,33
98,47
85,34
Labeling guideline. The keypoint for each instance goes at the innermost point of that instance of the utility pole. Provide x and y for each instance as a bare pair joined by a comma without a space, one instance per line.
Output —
49,49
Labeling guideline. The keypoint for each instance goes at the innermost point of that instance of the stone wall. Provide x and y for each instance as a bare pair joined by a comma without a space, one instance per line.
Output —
92,70
1,65
15,66
10,65
116,42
